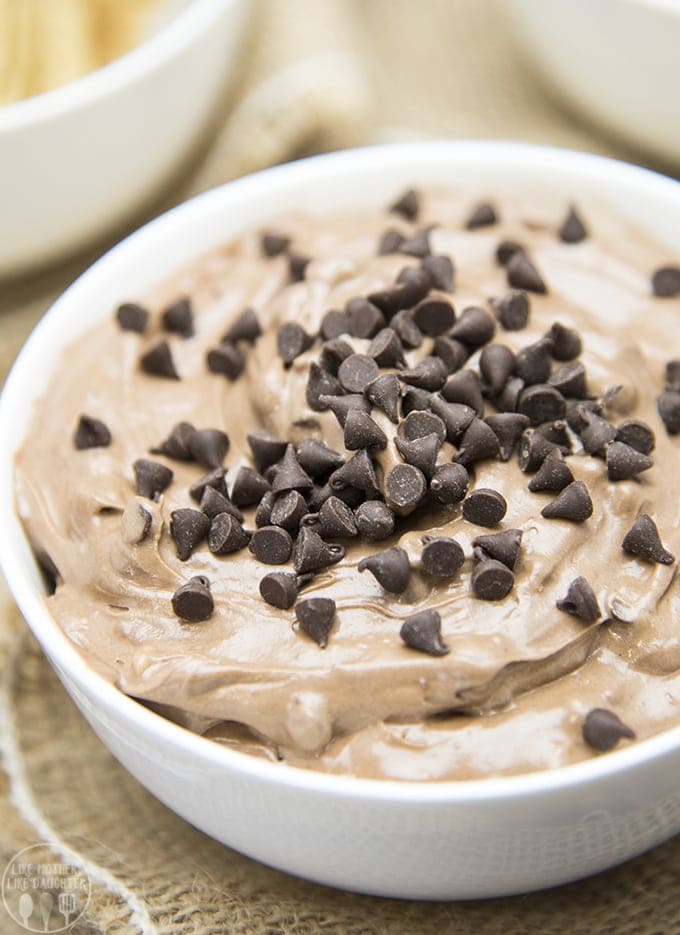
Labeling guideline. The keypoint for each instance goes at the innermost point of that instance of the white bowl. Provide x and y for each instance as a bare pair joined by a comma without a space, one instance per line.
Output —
78,160
436,840
615,60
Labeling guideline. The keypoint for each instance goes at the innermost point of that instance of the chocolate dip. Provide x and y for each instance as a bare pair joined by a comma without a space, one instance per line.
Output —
520,676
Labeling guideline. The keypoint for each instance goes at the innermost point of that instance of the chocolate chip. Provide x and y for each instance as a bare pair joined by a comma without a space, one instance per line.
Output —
522,274
263,513
491,580
483,215
213,479
333,353
564,343
464,387
386,349
429,374
341,406
434,316
311,553
556,432
508,428
320,386
176,445
297,267
266,449
572,229
317,459
245,328
273,244
333,324
356,372
132,317
474,327
390,242
374,520
541,403
453,352
316,616
441,556
280,589
672,376
291,341
456,418
484,507
496,364
570,379
193,601
316,498
414,400
405,487
505,251
441,271
580,601
179,318
512,310
188,528
602,729
407,330
422,631
271,545
391,569
449,483
335,520
418,244
666,282
208,447
668,405
151,478
365,319
362,432
573,504
91,433
553,474
384,392
408,205
420,423
643,541
597,434
249,487
226,359
636,434
624,462
533,363
412,286
533,449
479,442
158,362
421,452
214,502
508,399
290,476
501,546
579,413
226,535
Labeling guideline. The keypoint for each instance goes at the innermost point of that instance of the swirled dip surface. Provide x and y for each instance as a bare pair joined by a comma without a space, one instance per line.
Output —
512,693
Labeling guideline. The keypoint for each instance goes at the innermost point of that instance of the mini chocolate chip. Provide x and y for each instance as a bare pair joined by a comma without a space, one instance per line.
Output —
374,520
421,452
227,359
320,385
317,459
407,330
533,449
484,507
391,569
341,406
597,434
573,504
496,364
556,432
479,442
390,242
505,251
434,316
386,349
491,580
643,541
362,432
226,535
335,520
316,616
570,379
208,447
420,423
291,341
423,631
580,601
297,267
572,229
193,601
249,487
333,324
453,352
508,398
91,433
602,729
522,274
672,377
456,418
151,478
464,387
263,513
356,372
405,487
176,445
441,271
188,528
266,449
280,589
483,215
271,545
508,428
429,374
418,244
624,462
512,310
245,328
179,318
668,405
290,476
333,353
541,403
213,479
533,363
449,483
132,317
501,546
408,205
441,556
666,282
214,502
311,553
414,400
553,475
365,319
636,434
474,327
158,362
274,244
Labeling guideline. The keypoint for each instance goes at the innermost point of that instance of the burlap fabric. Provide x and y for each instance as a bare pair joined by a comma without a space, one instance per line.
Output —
316,75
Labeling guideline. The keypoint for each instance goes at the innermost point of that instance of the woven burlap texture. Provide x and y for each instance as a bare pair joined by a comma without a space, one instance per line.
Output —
315,75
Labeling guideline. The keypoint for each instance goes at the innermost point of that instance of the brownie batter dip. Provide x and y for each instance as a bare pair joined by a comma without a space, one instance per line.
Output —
392,494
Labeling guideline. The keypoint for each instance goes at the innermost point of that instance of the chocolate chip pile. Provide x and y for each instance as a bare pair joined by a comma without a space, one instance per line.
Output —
469,399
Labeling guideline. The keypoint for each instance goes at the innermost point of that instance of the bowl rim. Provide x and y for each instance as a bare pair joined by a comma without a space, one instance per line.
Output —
15,552
193,19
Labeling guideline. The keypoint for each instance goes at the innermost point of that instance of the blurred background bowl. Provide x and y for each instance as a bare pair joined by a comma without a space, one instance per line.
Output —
615,61
77,161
